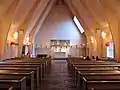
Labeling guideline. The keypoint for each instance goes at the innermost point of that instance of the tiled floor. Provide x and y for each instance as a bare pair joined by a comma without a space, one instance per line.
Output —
58,77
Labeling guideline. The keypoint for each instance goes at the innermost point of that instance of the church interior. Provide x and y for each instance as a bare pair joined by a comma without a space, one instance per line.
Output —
59,45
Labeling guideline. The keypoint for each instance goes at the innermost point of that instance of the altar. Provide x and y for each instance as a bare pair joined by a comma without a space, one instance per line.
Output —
59,54
59,48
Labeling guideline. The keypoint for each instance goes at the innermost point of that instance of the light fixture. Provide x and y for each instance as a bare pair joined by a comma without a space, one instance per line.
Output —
98,30
92,39
21,31
110,36
103,35
15,35
78,24
27,41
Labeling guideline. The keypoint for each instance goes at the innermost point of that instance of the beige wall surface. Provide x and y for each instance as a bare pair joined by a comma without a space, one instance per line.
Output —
59,26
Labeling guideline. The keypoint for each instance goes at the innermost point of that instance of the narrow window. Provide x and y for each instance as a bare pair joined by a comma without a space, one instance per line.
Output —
78,24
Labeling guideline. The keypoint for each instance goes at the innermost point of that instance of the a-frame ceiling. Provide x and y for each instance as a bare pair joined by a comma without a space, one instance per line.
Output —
29,15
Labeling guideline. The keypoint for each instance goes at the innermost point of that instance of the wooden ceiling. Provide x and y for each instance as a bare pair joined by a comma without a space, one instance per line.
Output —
29,15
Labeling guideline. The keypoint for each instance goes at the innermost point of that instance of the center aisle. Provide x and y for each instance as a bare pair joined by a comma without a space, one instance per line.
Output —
58,77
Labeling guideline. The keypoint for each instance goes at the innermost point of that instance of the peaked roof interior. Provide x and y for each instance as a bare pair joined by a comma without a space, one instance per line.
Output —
27,16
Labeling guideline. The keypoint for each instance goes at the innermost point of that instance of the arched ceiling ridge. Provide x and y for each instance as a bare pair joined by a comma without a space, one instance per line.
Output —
95,8
20,15
91,14
90,33
109,14
85,15
107,23
4,7
10,9
97,11
22,37
91,23
36,24
24,25
114,7
75,13
44,16
5,25
114,25
38,13
7,19
87,5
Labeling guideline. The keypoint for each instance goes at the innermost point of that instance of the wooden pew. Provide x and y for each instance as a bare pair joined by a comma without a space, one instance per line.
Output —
80,67
96,66
89,69
18,82
86,62
29,76
36,73
90,64
97,73
110,65
25,63
11,88
20,66
101,82
47,61
42,64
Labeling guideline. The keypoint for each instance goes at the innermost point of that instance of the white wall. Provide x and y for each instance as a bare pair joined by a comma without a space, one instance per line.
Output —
11,51
60,26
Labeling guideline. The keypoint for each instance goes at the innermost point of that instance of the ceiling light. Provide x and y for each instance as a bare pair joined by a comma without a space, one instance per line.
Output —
103,35
15,35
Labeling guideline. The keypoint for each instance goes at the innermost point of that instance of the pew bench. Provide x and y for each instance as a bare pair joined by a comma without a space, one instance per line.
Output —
11,88
89,69
42,64
91,65
95,66
82,74
28,74
18,82
103,83
36,73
